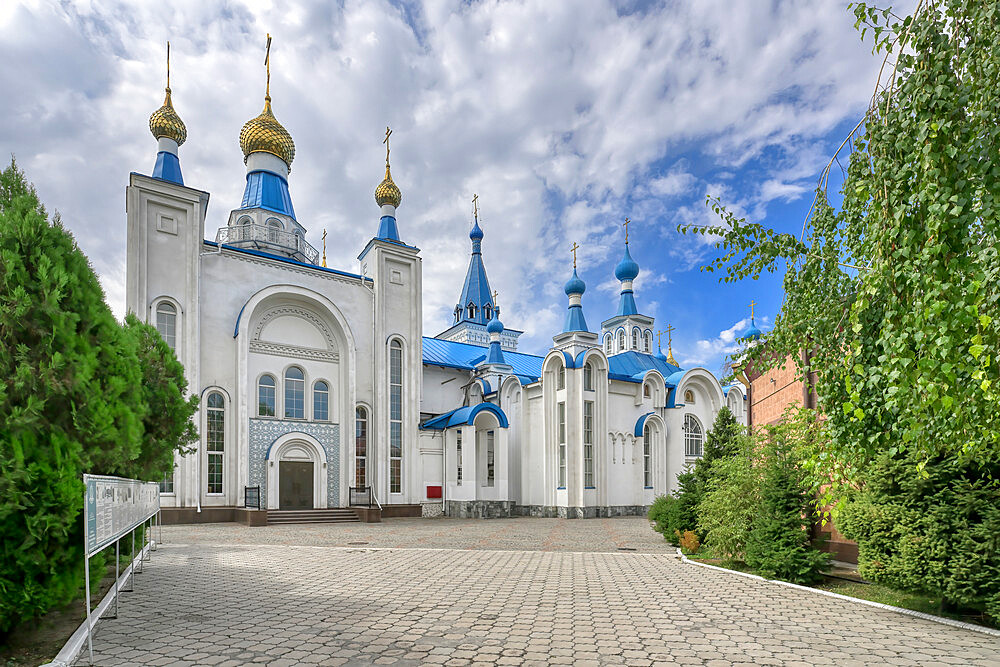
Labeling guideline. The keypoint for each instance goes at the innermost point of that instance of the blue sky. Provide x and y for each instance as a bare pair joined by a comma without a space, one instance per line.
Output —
564,117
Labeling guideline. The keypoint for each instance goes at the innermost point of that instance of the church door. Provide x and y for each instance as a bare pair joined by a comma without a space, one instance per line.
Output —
295,485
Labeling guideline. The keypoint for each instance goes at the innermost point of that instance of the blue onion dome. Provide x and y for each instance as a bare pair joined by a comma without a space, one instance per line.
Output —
661,356
753,333
575,285
476,234
495,326
627,269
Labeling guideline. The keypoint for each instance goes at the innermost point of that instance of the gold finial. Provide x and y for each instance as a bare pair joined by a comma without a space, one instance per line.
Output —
165,122
670,346
625,225
324,246
267,66
387,192
573,250
475,206
751,310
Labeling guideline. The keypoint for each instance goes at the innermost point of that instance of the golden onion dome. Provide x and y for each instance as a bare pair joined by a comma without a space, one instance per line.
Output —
387,192
166,123
265,134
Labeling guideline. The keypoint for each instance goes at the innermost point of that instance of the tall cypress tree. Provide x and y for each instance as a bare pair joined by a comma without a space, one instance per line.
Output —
68,401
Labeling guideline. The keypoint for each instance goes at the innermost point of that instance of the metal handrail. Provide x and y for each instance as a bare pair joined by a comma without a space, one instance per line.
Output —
266,236
368,491
249,491
376,499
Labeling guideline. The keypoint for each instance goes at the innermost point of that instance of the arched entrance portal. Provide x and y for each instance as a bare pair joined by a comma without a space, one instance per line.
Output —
296,473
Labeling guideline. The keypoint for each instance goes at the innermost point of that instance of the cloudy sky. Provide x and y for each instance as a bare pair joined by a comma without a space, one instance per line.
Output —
565,117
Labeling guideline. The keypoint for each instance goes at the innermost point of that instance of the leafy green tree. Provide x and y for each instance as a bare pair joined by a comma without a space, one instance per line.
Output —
778,546
730,502
896,292
167,425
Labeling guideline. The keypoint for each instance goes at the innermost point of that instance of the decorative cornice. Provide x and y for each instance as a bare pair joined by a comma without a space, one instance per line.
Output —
293,351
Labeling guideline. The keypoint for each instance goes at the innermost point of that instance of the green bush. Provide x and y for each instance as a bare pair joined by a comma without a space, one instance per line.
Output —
778,546
937,534
731,500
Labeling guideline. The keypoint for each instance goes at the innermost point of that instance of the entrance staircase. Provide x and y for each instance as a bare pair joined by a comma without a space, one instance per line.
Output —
337,515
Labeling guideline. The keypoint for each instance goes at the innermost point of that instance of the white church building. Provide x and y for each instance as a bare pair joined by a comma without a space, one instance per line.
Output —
315,381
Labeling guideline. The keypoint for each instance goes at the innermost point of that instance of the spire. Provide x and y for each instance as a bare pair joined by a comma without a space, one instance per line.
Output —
626,271
170,132
268,152
753,333
494,329
476,300
388,197
575,287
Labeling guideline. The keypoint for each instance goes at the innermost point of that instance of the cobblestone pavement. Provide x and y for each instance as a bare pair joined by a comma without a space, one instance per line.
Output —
210,597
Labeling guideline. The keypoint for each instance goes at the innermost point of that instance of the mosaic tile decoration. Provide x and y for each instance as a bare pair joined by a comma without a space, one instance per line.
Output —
263,432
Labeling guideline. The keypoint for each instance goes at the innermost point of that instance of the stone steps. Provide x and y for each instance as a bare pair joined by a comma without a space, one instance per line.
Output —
339,515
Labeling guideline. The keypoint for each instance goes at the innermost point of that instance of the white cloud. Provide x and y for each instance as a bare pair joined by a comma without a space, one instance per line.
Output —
704,352
554,113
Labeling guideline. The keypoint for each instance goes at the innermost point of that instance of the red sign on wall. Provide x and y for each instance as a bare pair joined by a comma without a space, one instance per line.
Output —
433,491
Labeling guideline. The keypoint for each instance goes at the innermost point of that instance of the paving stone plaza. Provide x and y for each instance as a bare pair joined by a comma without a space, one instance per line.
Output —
471,592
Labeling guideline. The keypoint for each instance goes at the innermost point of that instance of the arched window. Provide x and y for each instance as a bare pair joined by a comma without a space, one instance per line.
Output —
648,342
489,313
166,323
472,311
360,447
215,439
689,397
607,344
458,314
647,457
588,377
395,417
321,401
244,231
265,396
295,393
647,391
561,377
693,436
621,340
635,339
274,230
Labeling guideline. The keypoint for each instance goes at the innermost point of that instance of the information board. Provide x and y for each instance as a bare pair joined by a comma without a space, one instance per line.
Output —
114,507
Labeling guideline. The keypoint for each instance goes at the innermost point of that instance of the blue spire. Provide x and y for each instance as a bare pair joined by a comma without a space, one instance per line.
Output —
575,321
626,272
387,229
168,168
494,329
267,190
476,290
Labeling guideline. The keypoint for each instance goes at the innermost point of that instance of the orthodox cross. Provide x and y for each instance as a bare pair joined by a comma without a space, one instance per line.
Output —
625,225
386,142
659,343
751,309
573,250
475,206
324,247
670,337
267,65
495,300
168,65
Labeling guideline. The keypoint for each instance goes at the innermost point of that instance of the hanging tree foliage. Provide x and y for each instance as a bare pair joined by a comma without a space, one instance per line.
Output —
895,293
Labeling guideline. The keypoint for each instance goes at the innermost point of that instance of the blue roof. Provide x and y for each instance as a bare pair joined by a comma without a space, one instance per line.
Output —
476,289
451,354
269,191
639,423
464,415
168,168
387,229
631,366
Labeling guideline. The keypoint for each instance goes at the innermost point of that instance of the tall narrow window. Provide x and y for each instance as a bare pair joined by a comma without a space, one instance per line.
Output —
621,340
647,457
458,458
588,444
215,437
635,339
607,344
167,483
360,448
295,394
265,396
693,436
274,230
490,470
562,445
166,323
588,377
395,417
321,401
648,342
561,380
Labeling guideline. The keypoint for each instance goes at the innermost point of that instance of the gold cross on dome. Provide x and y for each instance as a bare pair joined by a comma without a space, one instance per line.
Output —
659,343
670,336
267,65
625,225
475,206
495,298
751,309
573,250
324,247
168,65
386,142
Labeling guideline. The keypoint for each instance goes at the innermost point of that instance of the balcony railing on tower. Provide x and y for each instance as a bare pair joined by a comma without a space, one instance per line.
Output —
264,237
